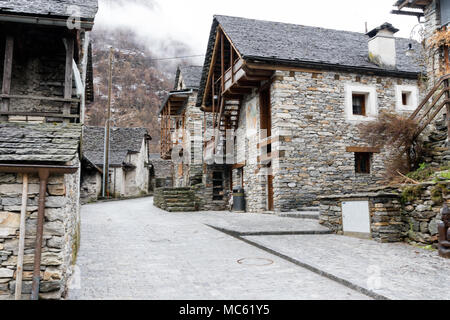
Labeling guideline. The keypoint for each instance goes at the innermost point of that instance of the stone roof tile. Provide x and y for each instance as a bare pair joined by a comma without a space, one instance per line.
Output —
38,143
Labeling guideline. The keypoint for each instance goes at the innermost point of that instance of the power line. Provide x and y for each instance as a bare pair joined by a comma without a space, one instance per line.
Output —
174,58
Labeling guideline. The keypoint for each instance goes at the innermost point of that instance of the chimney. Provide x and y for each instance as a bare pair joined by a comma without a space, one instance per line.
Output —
382,45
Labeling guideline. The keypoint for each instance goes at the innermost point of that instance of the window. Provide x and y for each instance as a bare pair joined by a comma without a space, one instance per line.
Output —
407,98
363,162
359,104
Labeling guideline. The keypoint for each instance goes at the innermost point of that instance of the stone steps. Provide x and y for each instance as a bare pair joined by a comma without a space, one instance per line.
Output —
301,215
175,200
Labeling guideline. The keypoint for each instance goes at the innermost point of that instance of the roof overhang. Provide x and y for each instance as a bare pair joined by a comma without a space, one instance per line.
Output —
176,100
57,21
411,7
311,66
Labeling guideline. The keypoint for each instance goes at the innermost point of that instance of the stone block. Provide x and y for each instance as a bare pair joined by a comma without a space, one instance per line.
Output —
52,274
52,214
57,190
56,242
55,202
55,228
6,273
26,287
16,189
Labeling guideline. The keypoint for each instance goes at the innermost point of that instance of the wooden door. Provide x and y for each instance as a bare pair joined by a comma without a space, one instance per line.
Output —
266,124
270,192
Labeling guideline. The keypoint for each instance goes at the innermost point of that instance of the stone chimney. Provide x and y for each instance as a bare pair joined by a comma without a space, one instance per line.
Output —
382,45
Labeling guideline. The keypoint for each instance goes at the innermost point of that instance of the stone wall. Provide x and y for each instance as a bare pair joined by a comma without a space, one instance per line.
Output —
421,212
191,173
405,213
38,69
313,129
311,110
384,208
136,180
434,61
91,186
437,148
61,233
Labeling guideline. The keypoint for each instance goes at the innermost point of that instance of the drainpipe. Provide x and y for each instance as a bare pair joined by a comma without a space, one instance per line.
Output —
43,178
23,215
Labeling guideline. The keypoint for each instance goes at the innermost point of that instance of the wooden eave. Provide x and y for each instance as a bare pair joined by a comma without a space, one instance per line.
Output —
175,104
412,4
229,67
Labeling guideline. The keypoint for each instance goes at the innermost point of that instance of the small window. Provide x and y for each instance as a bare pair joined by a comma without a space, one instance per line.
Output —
363,162
359,104
406,98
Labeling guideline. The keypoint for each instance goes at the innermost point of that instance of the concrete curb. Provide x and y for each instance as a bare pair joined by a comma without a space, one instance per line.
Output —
272,233
115,200
328,275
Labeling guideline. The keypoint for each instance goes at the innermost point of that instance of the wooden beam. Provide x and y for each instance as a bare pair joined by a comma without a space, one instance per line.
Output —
408,13
239,91
211,67
27,97
222,61
7,73
275,67
238,165
403,4
40,114
364,149
231,42
68,79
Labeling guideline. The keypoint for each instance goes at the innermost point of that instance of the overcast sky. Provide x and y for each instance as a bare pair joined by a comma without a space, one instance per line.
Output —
189,21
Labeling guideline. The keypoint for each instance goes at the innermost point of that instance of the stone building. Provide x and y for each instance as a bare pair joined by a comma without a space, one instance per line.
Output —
286,101
160,172
182,128
128,163
46,81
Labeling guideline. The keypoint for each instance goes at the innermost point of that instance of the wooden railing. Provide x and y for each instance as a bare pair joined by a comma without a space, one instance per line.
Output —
425,114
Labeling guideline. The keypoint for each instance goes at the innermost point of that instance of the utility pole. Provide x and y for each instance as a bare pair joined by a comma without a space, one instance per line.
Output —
107,130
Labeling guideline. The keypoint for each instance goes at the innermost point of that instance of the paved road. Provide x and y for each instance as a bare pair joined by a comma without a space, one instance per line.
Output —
132,250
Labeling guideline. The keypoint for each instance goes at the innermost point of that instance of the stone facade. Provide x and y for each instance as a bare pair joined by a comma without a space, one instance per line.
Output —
91,186
129,172
61,233
312,129
405,213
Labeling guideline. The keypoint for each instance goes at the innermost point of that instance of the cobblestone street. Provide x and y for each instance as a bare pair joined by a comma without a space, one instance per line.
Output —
132,250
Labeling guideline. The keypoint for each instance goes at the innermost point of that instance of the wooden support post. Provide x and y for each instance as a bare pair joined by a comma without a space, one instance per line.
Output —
7,72
232,64
222,63
447,94
68,77
23,215
213,103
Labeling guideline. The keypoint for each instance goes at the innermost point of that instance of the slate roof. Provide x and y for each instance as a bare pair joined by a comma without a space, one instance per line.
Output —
162,168
39,143
191,76
88,8
123,142
305,46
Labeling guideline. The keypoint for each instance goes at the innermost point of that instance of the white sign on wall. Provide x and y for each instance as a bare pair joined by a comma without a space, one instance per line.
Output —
356,216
